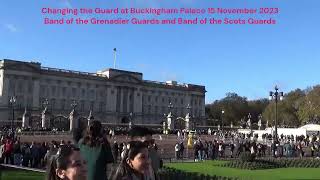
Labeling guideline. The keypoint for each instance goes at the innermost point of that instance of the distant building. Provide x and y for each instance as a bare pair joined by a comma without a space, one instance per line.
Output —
114,96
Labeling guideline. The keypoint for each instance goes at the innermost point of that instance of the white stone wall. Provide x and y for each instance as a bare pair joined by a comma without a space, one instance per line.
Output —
147,101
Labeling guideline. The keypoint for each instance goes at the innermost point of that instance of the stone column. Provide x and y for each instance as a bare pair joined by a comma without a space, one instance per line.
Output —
121,99
25,119
170,121
36,92
137,105
187,122
73,120
125,100
5,93
131,103
45,119
90,118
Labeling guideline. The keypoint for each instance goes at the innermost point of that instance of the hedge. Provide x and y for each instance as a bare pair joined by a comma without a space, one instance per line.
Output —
175,174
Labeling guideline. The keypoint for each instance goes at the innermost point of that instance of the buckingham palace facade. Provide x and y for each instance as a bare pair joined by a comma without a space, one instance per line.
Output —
112,95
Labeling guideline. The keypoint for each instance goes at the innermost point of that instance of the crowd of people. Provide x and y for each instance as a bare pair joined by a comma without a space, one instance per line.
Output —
230,144
87,157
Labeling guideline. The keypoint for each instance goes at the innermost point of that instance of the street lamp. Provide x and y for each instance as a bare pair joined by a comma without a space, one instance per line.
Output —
170,106
74,105
249,122
188,108
222,112
260,121
45,103
12,102
130,122
187,120
276,96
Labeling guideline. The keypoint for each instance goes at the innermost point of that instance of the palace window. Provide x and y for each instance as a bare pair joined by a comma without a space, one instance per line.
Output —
53,103
42,90
30,87
53,91
92,105
63,104
82,105
156,109
101,107
149,109
29,102
83,93
64,91
74,92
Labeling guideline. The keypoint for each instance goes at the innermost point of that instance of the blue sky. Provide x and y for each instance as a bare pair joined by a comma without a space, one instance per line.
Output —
245,59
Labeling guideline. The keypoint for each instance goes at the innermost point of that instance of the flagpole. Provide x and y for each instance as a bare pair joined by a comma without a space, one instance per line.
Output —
115,57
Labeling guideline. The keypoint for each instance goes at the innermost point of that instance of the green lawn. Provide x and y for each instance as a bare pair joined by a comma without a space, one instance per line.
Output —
211,168
21,175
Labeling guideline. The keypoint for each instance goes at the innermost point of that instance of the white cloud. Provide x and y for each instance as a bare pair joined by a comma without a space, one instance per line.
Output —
11,27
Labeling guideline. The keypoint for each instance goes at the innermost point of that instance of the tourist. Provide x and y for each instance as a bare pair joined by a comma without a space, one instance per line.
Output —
205,153
300,150
231,149
215,149
196,148
200,151
143,134
115,152
312,148
35,155
8,149
220,149
43,150
135,164
123,150
120,147
181,149
17,153
96,150
26,155
177,150
316,146
67,164
2,144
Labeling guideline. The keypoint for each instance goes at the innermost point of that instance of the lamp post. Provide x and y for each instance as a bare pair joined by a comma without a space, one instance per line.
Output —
222,116
188,108
44,124
276,96
130,122
170,126
45,103
74,105
188,111
12,102
249,122
170,106
260,121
